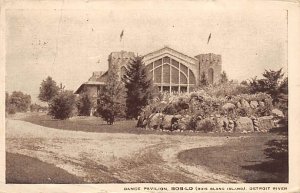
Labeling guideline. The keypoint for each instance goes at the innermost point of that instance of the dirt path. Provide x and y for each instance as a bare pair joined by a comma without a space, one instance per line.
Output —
107,157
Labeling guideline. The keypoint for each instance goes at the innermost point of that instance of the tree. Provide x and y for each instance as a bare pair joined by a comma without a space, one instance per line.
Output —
139,87
112,98
17,102
84,104
48,90
224,78
203,80
270,84
61,106
9,108
283,88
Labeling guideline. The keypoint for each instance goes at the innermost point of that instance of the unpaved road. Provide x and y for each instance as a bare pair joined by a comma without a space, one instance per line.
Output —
113,157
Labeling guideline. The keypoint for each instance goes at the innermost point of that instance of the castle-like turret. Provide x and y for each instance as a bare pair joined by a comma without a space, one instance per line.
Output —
210,65
120,60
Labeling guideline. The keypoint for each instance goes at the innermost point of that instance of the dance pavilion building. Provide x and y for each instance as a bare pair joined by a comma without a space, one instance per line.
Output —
171,71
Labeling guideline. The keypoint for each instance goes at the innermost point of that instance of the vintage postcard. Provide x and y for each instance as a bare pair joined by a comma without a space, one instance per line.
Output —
149,96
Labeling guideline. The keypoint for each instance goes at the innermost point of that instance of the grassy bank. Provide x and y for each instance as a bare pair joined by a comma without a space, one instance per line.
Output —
21,169
255,159
88,124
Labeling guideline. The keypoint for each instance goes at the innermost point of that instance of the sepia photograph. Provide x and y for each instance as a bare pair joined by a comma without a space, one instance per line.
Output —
142,92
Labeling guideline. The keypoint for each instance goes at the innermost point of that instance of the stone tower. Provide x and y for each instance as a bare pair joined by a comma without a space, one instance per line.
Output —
120,60
211,65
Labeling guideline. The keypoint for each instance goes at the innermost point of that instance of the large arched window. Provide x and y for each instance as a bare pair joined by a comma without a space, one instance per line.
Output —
171,76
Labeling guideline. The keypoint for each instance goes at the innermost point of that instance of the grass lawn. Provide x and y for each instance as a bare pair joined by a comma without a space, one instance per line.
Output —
96,124
88,124
21,169
255,159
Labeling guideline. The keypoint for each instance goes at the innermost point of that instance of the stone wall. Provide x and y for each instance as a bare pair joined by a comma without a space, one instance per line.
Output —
198,111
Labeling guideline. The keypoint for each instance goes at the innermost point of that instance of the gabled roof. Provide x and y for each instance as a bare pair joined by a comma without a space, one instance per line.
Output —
170,51
93,81
96,75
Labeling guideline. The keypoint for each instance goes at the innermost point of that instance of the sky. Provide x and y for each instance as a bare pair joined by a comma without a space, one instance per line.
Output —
69,44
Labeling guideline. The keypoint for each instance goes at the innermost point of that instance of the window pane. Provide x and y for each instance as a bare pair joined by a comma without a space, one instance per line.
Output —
157,75
175,75
166,73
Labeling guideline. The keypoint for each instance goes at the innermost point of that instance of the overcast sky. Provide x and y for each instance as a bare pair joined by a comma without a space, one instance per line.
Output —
70,44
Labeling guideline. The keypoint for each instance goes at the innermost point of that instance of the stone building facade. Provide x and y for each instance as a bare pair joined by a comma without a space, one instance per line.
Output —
170,70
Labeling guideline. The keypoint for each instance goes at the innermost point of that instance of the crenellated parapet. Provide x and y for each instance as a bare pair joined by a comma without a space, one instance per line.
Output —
211,65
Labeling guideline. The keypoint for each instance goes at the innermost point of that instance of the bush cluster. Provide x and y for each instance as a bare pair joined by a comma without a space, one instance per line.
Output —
17,101
62,105
226,89
201,104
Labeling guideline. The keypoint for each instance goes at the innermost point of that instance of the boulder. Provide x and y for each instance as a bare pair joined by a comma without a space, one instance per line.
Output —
238,104
155,120
178,116
183,123
265,123
277,113
256,124
244,124
253,104
261,103
230,126
167,122
228,106
245,103
222,124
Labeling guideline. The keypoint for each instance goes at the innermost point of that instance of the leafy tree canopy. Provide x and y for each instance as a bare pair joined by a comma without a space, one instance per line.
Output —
84,104
17,102
62,105
48,89
271,83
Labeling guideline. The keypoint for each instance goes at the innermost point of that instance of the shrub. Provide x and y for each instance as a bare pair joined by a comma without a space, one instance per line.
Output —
270,84
11,109
226,89
263,111
192,124
244,112
84,104
62,105
17,102
176,107
170,110
206,125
